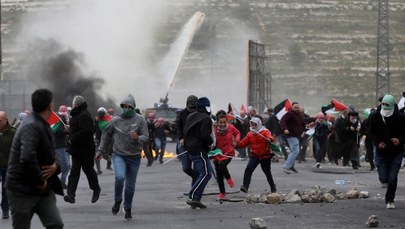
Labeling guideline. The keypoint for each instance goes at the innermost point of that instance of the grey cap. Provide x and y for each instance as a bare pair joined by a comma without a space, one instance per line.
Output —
78,100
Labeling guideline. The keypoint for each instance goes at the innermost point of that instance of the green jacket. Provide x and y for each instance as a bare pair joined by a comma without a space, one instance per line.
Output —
6,139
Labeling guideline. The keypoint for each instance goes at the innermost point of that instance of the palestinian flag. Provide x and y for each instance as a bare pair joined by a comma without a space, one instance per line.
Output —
103,122
243,108
232,110
334,107
54,122
232,113
282,108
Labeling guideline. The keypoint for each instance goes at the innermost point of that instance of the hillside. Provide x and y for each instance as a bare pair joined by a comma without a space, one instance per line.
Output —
319,48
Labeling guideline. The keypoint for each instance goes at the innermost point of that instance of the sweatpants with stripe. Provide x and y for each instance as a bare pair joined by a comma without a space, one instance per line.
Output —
203,169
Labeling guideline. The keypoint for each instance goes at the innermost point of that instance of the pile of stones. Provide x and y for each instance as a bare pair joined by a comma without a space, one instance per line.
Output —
315,194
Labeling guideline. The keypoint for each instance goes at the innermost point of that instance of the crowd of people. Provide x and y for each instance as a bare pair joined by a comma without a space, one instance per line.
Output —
34,169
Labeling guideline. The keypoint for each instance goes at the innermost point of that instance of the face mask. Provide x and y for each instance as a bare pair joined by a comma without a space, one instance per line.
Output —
127,112
386,113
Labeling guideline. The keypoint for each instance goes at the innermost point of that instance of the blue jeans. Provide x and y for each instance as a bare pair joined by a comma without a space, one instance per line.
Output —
125,170
63,158
388,168
4,201
23,206
186,163
295,150
203,168
160,147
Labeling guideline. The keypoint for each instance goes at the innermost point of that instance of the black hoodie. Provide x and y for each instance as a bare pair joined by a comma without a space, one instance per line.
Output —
383,130
81,131
197,132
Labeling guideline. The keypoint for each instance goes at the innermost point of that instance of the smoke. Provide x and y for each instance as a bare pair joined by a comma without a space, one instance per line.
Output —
61,70
105,49
100,48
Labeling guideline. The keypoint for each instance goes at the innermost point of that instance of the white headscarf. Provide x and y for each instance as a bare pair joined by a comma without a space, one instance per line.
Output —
259,126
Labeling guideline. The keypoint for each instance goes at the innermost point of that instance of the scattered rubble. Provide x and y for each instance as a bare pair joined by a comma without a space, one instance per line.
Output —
257,223
315,194
372,221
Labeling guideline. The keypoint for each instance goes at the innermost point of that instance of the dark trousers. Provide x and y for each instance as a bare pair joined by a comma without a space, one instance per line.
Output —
303,148
388,168
342,149
283,143
203,168
319,146
148,152
4,200
186,163
85,162
221,168
24,206
250,168
369,151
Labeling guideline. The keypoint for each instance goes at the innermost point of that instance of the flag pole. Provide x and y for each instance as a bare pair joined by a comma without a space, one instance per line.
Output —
175,157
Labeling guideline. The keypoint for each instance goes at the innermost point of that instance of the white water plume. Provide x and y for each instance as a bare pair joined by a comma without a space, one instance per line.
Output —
172,61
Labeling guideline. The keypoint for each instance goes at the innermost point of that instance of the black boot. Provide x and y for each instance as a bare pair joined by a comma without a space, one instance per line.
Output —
128,215
116,208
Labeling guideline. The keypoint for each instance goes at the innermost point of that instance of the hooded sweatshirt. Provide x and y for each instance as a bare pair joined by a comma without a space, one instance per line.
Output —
119,130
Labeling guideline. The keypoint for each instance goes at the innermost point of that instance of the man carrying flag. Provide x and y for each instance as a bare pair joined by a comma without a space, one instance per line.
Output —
60,131
102,120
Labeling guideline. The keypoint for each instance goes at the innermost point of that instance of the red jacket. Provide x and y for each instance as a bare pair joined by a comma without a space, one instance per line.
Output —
259,145
225,141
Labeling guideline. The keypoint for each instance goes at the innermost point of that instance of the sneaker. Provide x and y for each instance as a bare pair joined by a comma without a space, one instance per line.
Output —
96,195
5,215
99,172
384,185
318,165
221,196
195,203
243,189
231,182
128,215
293,169
69,199
273,189
390,205
116,208
286,170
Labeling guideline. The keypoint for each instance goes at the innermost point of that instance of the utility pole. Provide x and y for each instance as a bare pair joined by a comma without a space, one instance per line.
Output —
383,51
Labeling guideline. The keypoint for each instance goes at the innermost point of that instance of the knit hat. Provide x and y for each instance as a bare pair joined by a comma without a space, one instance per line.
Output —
191,101
204,104
388,102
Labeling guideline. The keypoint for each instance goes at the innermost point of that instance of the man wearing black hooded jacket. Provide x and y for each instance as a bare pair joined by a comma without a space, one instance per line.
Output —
82,149
387,126
198,140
